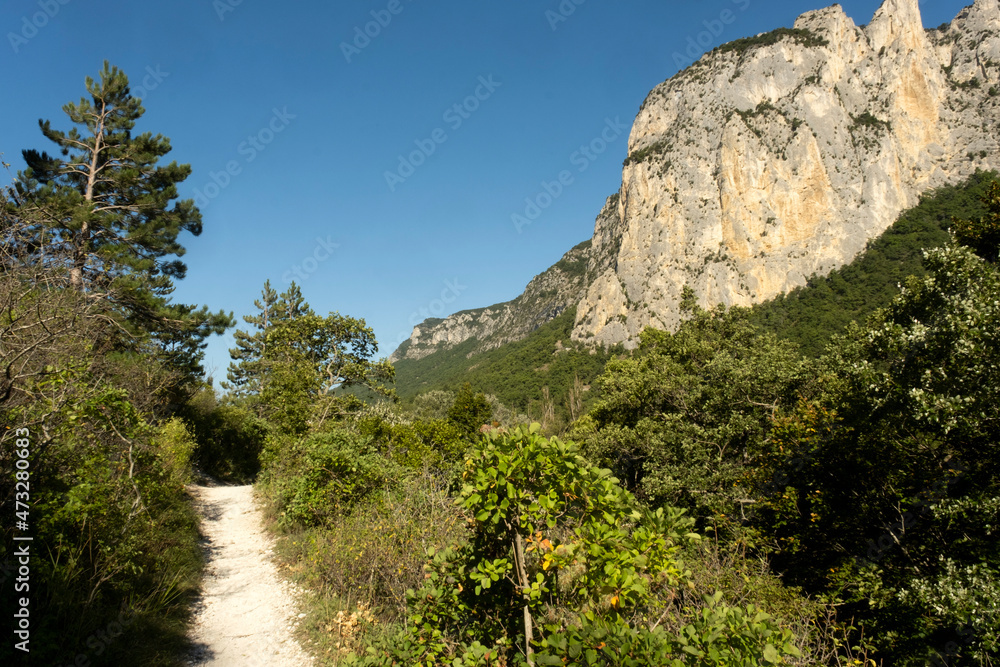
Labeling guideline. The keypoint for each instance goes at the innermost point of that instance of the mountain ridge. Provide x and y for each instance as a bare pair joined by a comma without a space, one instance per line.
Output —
771,159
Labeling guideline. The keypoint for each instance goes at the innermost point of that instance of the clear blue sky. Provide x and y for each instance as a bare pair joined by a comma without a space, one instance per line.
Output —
325,131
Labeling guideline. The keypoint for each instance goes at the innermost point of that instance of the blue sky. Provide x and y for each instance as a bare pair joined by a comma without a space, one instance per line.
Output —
291,117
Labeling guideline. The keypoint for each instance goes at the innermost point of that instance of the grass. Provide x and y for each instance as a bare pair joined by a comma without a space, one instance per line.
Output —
138,629
360,569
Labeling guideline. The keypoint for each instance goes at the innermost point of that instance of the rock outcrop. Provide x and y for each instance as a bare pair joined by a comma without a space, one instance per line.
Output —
771,159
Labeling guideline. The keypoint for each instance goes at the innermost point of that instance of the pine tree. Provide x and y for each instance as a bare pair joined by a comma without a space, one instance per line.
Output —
470,410
106,201
100,216
246,372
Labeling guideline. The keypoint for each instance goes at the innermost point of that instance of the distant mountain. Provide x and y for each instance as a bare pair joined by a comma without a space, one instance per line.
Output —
771,159
546,368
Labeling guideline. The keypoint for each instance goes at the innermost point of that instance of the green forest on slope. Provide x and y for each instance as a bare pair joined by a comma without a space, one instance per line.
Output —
518,373
810,315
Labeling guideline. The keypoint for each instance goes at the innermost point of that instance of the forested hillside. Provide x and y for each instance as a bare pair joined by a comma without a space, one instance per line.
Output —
546,375
809,316
518,373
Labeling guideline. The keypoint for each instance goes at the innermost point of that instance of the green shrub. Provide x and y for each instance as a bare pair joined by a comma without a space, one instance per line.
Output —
558,550
230,440
115,538
804,37
176,445
319,478
361,566
470,411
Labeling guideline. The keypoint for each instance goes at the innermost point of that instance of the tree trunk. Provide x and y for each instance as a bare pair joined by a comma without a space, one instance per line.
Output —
522,576
82,240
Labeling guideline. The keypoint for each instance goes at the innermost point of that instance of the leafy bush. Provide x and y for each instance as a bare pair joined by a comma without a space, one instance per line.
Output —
982,234
115,538
470,411
230,439
361,566
893,504
433,404
176,445
679,421
319,478
557,548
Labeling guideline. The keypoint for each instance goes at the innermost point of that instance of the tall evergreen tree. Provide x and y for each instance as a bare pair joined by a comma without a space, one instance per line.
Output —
107,208
246,371
102,215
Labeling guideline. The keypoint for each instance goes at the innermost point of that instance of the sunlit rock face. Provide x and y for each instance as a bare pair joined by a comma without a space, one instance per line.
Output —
769,160
762,165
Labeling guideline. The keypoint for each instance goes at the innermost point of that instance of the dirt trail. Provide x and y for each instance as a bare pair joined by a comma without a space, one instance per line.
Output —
247,614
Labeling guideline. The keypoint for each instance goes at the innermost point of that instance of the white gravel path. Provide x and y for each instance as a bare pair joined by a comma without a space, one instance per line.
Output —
247,614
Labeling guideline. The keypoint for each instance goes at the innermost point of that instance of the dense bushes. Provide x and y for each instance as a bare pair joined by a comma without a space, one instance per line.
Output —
562,566
114,537
876,487
895,505
230,438
371,556
680,419
320,478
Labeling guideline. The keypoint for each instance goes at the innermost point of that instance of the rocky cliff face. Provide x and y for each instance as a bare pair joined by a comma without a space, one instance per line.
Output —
771,159
777,157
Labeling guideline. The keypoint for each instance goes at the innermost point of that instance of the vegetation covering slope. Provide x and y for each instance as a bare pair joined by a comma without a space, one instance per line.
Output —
809,316
545,376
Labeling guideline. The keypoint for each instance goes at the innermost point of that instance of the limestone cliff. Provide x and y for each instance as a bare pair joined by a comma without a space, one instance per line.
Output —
780,156
770,159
